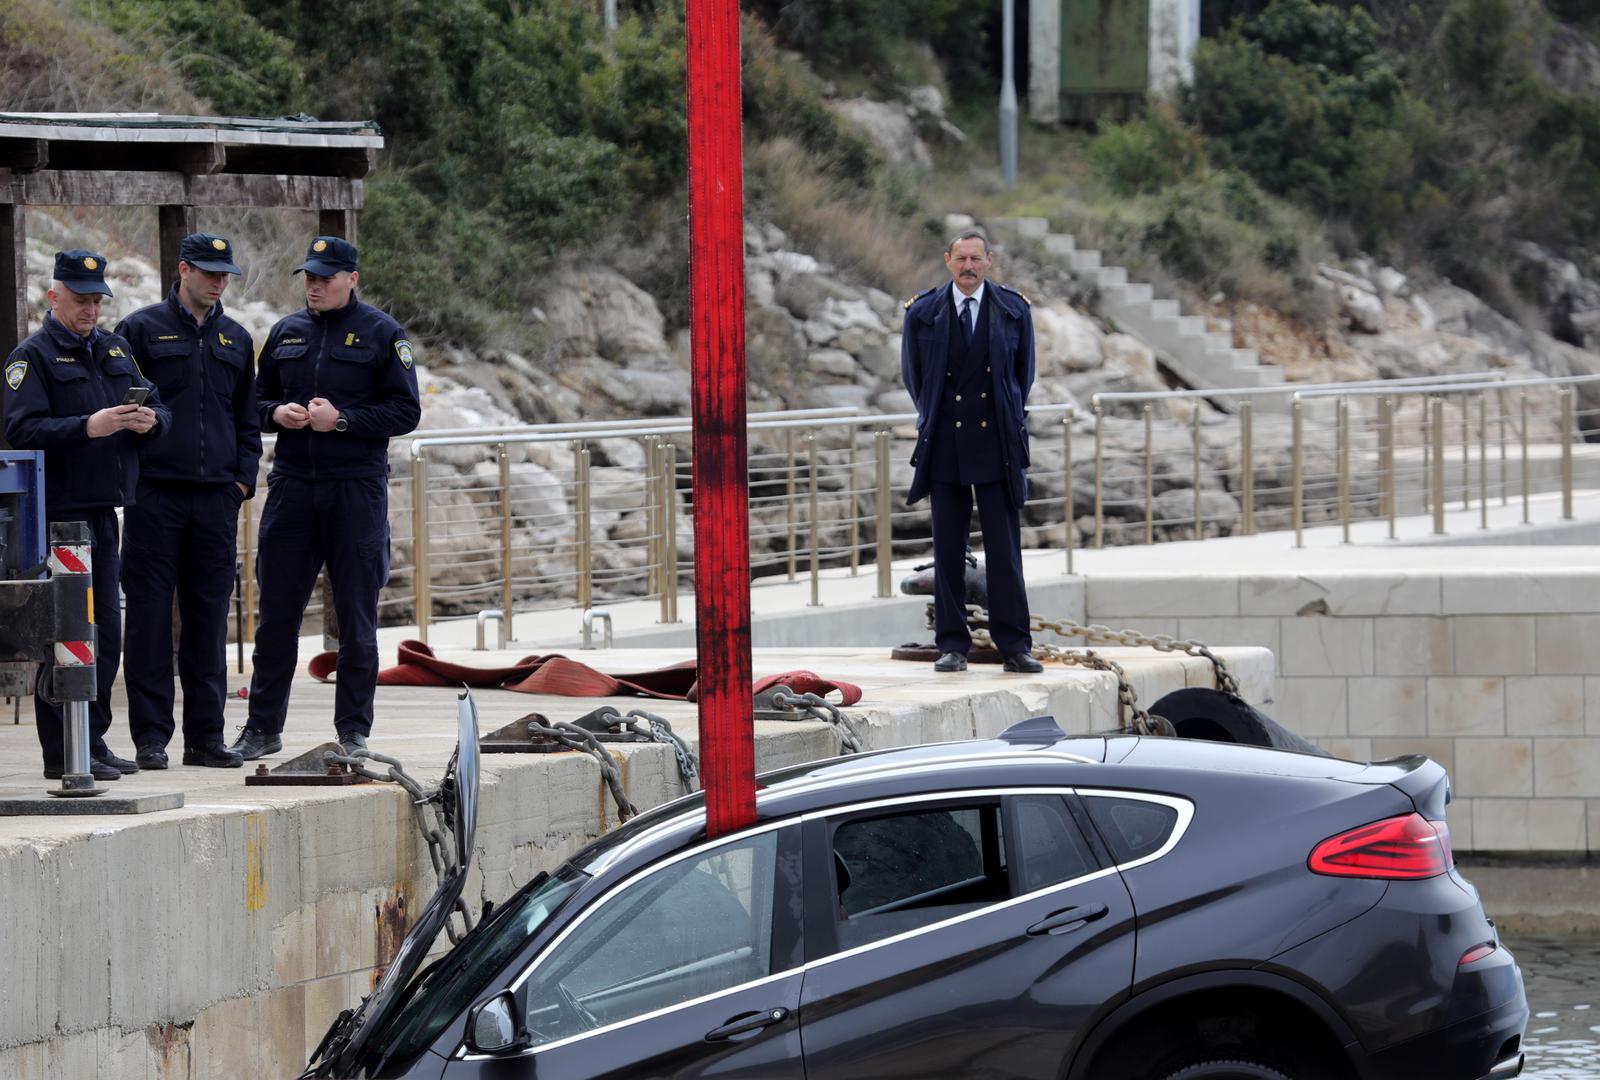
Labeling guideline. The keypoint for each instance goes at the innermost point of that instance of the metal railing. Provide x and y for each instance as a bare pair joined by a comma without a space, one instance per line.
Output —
577,515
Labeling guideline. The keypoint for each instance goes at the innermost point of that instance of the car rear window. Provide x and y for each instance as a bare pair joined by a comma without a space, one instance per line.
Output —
1050,849
1131,828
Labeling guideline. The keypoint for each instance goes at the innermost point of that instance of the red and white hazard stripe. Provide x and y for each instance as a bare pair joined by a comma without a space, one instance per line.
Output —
74,653
69,559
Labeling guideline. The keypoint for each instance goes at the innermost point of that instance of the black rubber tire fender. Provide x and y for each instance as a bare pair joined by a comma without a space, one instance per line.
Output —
1202,713
1226,1069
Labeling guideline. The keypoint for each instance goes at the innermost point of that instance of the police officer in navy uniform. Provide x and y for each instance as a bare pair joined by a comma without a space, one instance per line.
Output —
335,381
182,533
67,392
966,356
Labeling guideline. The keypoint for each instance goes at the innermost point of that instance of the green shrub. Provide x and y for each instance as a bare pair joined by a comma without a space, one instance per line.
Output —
1149,153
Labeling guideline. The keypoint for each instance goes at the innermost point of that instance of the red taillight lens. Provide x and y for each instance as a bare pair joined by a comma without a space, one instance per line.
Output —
1397,848
1476,953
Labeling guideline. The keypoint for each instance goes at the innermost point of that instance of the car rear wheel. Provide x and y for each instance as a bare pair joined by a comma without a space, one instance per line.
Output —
1226,1069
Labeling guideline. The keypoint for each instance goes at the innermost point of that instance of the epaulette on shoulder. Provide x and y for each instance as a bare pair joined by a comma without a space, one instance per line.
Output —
1009,289
919,296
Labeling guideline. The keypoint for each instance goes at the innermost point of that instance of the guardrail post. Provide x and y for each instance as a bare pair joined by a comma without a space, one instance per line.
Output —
670,490
582,553
249,632
885,542
1343,410
1247,464
1149,478
855,506
1297,473
1522,396
663,496
1194,427
652,518
421,574
788,502
1436,427
1566,453
1483,461
506,584
1066,484
1386,484
1427,454
1466,454
1099,480
1505,479
814,539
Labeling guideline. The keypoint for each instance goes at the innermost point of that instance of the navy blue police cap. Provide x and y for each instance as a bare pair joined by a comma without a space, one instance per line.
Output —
328,255
82,271
205,251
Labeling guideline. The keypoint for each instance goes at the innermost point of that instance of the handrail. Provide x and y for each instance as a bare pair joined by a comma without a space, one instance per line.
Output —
1284,388
1462,388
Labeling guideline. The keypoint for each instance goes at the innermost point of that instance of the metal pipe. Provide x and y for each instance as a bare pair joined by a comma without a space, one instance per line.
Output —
816,555
1523,402
1505,485
1427,455
583,555
1386,460
507,598
76,776
652,524
672,531
1247,463
1343,413
1099,481
1379,385
788,502
1297,473
885,542
499,632
1436,426
421,574
1194,429
852,478
1466,455
666,576
589,618
1567,396
1483,462
1066,485
1149,474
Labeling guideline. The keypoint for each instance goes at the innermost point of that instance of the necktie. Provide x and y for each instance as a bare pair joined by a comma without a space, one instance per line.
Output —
967,319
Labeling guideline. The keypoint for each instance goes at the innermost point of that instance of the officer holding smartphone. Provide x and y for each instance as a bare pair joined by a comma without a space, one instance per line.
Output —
67,392
182,532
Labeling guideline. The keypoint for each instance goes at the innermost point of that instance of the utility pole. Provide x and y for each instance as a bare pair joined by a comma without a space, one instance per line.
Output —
611,14
1008,98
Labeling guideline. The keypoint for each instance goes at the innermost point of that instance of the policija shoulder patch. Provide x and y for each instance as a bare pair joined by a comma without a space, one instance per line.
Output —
402,349
16,371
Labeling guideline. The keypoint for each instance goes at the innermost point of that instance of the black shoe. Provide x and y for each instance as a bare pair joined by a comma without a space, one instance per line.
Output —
252,744
97,769
121,764
1023,662
212,756
951,661
352,741
151,757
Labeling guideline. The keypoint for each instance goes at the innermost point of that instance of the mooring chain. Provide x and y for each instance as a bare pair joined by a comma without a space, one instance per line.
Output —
1105,635
649,727
574,737
436,804
782,703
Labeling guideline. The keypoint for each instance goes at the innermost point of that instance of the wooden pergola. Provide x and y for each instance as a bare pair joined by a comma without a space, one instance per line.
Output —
176,164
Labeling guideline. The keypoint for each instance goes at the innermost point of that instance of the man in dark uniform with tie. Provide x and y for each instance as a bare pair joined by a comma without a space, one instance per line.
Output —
966,355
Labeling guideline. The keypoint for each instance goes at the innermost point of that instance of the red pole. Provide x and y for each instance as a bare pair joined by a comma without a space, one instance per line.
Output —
721,484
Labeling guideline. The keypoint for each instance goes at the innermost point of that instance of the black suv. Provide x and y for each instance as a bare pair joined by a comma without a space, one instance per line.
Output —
1034,906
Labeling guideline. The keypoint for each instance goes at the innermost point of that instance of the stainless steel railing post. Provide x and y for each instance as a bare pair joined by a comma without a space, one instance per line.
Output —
788,501
583,554
813,540
1343,410
1483,461
1436,427
1522,402
1066,485
1099,480
1149,478
1466,454
1247,464
855,508
1297,473
1386,480
421,573
506,582
1505,481
652,518
1567,396
885,540
1427,454
1194,426
670,486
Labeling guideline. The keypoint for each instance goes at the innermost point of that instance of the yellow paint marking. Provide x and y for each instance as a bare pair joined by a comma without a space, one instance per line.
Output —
91,605
255,862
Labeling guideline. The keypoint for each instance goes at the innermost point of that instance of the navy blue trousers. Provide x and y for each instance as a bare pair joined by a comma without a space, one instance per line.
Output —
306,523
48,718
1002,561
179,539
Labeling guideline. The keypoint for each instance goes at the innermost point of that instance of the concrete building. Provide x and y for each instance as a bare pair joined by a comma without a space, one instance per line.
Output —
1091,58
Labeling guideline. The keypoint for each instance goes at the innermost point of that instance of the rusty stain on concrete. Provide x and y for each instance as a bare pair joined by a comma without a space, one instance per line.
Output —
171,1045
389,923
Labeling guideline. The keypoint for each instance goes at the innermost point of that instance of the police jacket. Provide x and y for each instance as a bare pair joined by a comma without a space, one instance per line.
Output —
53,382
207,379
924,358
359,359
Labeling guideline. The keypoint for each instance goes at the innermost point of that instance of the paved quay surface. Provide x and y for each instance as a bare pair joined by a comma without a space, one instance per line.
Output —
1563,982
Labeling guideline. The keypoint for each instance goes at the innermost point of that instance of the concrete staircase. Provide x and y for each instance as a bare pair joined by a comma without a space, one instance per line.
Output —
1203,359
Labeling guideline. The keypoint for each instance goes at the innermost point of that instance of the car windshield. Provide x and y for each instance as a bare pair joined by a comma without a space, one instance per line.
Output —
443,990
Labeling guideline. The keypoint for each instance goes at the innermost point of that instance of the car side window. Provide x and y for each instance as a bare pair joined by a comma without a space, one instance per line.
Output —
900,871
1131,828
694,927
1050,849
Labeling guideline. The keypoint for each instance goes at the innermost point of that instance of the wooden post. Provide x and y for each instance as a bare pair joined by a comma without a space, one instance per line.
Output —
13,284
176,223
340,223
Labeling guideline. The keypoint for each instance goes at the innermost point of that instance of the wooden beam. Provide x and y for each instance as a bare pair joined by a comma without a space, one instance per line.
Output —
350,162
54,187
337,223
24,155
176,223
13,288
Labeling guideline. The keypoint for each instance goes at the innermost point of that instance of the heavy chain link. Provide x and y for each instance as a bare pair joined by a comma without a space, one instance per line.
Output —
782,703
649,727
434,811
574,737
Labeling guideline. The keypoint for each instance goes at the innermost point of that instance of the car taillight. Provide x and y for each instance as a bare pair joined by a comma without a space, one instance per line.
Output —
1476,953
1397,848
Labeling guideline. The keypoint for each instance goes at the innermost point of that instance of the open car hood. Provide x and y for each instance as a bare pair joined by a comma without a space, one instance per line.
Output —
342,1046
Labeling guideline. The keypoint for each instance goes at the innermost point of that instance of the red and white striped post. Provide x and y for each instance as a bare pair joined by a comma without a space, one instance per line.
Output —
71,564
721,484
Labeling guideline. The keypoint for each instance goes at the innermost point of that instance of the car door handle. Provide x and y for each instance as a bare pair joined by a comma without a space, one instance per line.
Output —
741,1025
1067,919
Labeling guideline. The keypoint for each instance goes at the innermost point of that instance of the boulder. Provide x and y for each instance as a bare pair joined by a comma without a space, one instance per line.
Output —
889,125
596,311
833,364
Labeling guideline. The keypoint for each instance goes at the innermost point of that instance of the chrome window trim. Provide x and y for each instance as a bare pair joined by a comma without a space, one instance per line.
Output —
1183,806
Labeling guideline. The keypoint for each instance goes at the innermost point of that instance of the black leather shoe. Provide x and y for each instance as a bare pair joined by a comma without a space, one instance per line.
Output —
121,764
1023,662
97,769
212,756
252,744
951,661
352,741
151,757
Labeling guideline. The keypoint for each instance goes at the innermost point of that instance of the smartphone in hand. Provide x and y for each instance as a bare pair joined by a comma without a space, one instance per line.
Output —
136,395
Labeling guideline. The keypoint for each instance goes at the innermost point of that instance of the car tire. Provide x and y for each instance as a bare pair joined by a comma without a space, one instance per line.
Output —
1226,1069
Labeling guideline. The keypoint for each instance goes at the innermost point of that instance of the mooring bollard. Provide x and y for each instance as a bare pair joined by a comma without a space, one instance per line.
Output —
73,679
